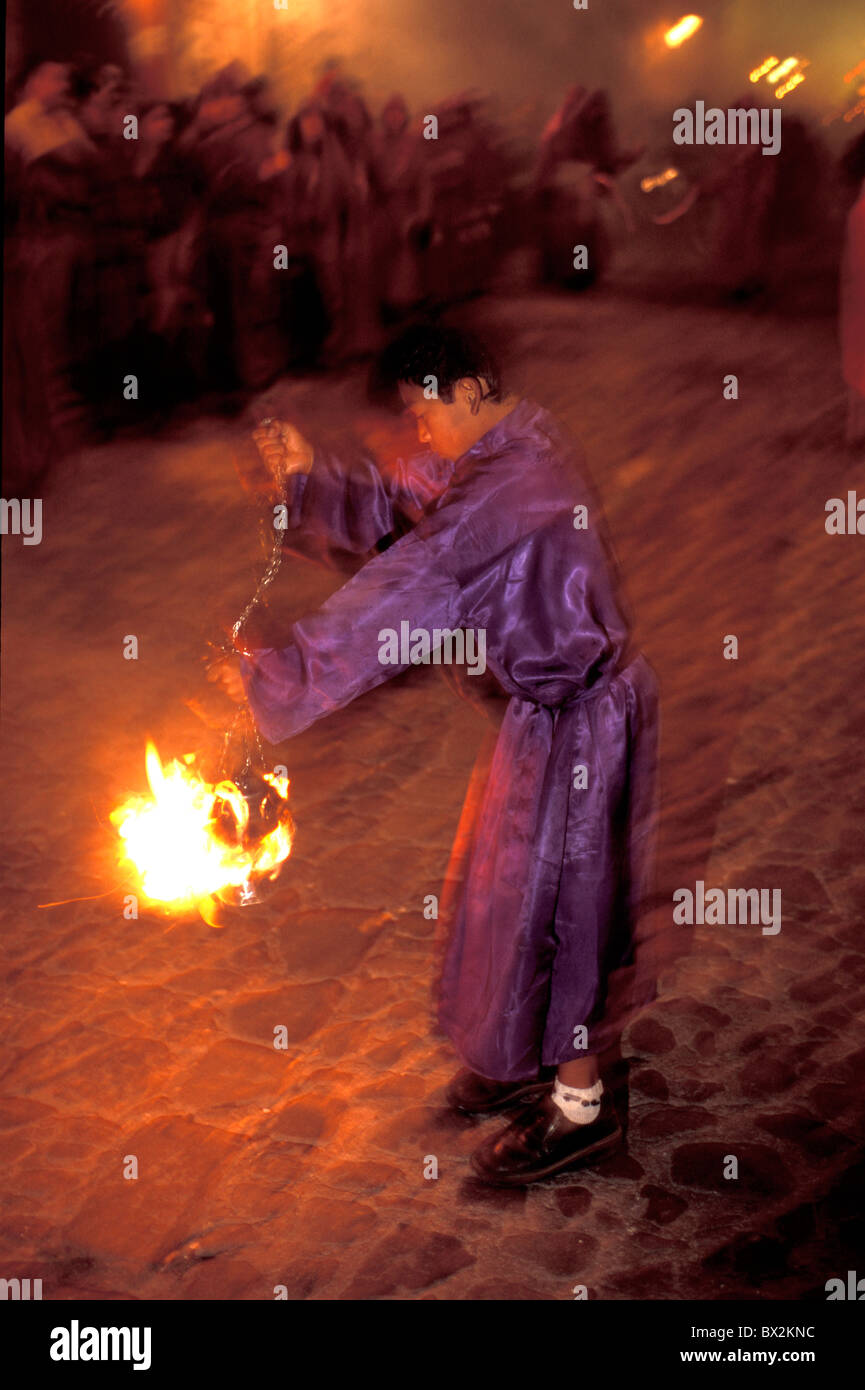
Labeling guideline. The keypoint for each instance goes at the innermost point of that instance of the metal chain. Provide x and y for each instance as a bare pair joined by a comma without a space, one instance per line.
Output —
243,720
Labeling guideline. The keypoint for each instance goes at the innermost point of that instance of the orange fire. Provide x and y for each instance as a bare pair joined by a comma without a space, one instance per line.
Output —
192,842
683,29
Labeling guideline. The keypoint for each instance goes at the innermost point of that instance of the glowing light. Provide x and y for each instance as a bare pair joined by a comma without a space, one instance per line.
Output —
762,69
190,841
782,69
683,29
658,180
856,110
788,86
307,10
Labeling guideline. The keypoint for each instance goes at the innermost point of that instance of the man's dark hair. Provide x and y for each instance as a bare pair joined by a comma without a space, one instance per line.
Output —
448,354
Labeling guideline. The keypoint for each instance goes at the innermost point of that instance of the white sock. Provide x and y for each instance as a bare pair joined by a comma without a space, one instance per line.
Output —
578,1106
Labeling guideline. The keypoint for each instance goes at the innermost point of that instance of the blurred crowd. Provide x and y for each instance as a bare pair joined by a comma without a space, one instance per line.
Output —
204,247
209,245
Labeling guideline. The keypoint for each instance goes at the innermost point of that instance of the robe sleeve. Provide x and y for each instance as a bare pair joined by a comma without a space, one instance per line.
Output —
334,655
349,503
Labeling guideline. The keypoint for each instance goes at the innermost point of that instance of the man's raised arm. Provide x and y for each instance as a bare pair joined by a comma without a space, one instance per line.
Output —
345,500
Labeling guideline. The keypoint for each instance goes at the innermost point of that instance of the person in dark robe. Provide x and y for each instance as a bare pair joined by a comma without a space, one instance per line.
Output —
361,328
232,144
405,210
49,162
316,192
110,287
169,193
583,129
468,165
578,162
743,183
504,537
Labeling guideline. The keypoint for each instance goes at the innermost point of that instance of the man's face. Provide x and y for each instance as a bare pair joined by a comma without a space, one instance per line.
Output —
449,427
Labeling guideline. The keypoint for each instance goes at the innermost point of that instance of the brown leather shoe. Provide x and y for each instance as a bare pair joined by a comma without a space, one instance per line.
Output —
477,1095
542,1142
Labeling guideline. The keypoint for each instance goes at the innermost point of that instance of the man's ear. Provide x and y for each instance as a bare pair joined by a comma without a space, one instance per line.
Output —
473,392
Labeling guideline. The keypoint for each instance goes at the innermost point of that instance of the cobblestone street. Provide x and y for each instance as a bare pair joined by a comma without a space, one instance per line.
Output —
305,1167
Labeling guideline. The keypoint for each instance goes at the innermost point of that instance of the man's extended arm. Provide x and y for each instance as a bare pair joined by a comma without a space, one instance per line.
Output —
334,654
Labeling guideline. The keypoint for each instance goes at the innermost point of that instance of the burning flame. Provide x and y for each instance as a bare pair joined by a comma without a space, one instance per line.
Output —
683,29
191,841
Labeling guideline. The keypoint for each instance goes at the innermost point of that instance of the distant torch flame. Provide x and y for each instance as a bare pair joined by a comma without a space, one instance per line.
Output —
683,29
765,66
774,71
786,87
190,842
858,108
658,180
782,69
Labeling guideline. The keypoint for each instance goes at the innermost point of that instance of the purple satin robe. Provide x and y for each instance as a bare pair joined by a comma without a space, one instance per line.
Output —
555,872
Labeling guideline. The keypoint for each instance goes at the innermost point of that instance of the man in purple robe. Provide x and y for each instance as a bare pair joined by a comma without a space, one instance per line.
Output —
504,540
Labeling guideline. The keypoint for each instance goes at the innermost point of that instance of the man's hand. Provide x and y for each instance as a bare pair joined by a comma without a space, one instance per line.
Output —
227,674
283,449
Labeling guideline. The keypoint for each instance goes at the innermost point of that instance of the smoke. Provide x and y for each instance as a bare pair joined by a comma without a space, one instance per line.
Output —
525,56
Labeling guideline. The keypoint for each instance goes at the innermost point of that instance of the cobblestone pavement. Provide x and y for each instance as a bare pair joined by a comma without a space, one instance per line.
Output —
305,1167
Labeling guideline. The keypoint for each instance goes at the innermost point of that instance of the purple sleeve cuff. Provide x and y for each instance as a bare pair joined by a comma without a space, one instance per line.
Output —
294,494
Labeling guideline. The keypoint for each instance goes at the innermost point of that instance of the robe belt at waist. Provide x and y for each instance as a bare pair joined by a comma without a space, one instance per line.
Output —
609,674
